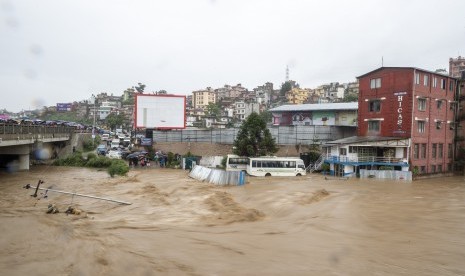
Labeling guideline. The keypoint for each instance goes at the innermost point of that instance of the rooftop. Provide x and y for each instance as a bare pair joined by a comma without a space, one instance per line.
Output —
363,139
316,107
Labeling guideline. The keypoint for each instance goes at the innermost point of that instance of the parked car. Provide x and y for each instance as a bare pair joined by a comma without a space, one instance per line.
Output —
102,149
115,154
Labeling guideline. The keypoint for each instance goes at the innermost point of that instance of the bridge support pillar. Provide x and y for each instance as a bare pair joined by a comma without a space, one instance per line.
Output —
23,162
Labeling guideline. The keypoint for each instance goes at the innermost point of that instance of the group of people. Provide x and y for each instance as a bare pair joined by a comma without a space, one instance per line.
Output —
143,159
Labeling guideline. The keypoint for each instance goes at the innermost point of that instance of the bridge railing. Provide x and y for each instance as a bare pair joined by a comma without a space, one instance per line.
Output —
24,132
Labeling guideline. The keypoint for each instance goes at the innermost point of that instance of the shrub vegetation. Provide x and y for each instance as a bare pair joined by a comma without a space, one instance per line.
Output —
115,166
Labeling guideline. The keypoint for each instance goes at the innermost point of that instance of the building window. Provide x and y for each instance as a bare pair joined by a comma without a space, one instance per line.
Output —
421,126
423,151
434,151
443,84
440,150
343,151
416,148
421,104
423,169
439,168
352,149
449,151
435,82
433,168
451,86
417,78
449,167
426,80
438,125
439,104
373,126
375,83
375,106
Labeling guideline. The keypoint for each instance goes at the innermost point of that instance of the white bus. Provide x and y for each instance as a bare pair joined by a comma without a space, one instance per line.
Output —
276,166
236,163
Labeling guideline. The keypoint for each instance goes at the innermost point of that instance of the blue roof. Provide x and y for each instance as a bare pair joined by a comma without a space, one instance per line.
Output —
316,107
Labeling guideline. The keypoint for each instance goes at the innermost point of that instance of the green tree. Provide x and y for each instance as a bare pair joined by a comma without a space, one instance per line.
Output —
285,87
113,120
213,110
351,97
266,116
254,138
140,88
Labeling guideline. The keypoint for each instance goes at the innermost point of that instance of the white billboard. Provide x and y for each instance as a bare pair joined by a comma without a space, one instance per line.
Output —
160,111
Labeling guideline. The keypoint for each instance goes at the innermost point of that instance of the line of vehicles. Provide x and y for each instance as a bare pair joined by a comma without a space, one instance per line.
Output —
266,165
115,145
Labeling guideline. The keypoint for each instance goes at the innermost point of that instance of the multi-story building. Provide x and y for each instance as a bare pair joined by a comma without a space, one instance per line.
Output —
328,114
297,95
229,91
243,109
456,66
406,119
263,94
105,109
201,98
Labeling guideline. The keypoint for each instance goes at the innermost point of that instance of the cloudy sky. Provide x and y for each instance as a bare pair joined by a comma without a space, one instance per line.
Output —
65,50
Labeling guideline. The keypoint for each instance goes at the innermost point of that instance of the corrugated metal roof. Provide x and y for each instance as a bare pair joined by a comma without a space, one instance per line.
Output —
362,139
316,107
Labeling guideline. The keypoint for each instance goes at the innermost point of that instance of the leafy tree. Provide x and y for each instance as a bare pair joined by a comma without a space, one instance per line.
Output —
128,101
266,116
350,98
113,120
254,138
213,110
285,87
140,88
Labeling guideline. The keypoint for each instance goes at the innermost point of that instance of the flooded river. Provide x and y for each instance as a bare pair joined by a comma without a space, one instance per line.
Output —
271,226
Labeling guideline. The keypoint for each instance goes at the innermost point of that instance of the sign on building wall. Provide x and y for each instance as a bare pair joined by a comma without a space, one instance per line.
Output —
63,107
399,113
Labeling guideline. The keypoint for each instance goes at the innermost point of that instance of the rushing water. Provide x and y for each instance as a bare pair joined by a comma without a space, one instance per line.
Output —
270,226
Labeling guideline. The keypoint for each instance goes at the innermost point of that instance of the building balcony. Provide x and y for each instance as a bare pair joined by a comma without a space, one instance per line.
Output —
366,160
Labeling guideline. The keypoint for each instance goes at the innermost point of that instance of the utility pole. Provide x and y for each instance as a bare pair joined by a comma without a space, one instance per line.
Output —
93,126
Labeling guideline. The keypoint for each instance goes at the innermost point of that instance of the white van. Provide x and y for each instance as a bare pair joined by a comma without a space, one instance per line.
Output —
105,137
114,144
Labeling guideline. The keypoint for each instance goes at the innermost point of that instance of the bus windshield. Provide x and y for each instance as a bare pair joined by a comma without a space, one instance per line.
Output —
236,163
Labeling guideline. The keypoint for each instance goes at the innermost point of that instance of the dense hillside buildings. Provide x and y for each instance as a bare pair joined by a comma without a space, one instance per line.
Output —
406,120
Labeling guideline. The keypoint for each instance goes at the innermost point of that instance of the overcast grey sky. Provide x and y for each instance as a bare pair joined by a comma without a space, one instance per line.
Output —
61,51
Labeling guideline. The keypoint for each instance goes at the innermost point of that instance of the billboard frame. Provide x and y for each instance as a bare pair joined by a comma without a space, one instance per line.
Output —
160,96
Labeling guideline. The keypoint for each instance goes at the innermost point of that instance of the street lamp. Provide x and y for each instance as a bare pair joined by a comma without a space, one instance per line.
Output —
93,125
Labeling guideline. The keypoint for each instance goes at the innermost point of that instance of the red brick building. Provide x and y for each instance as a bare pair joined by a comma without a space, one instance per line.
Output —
407,115
411,103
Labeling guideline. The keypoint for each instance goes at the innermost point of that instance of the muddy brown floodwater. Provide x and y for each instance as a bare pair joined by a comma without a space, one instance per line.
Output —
271,226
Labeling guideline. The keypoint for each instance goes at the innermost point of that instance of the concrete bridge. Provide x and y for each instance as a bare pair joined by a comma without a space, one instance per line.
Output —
20,144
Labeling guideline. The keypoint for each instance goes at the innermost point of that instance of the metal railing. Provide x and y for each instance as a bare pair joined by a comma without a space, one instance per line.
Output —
366,159
316,165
